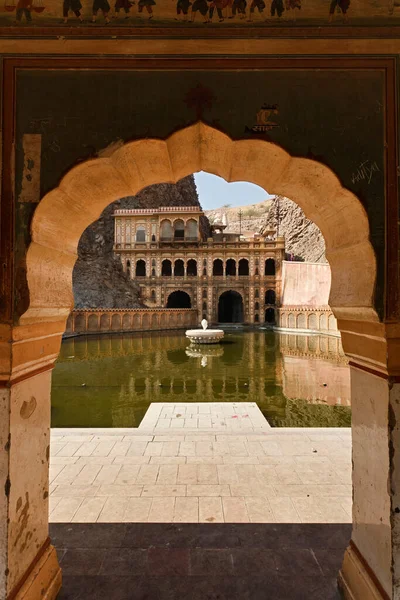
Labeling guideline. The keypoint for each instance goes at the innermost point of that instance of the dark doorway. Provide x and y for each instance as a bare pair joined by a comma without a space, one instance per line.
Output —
270,297
218,267
230,307
179,229
270,266
140,268
166,268
231,267
179,299
243,267
179,268
192,268
270,315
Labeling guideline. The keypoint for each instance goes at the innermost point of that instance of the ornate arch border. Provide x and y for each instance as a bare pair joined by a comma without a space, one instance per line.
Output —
83,193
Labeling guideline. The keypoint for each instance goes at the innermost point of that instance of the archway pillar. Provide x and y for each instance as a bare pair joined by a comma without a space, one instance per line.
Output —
371,565
29,565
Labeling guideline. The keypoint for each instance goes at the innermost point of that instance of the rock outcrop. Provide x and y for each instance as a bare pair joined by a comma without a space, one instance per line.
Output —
304,241
98,277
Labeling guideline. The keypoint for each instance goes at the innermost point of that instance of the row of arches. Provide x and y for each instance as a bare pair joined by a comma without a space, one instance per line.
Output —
96,322
177,268
178,230
323,322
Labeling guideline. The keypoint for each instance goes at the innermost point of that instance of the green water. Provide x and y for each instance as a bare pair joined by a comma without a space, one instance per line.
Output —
110,380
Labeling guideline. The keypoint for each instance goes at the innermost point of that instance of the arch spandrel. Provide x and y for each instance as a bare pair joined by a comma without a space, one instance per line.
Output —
89,187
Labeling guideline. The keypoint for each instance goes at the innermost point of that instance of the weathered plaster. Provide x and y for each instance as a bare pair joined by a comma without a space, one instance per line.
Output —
394,475
4,456
28,472
371,476
30,187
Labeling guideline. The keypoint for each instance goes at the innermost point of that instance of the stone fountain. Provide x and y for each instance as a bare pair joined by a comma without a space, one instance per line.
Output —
205,335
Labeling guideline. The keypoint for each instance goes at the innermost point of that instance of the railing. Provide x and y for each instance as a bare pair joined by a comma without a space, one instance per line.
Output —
210,243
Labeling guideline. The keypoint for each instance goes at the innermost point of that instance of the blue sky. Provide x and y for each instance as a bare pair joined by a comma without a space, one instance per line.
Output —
215,192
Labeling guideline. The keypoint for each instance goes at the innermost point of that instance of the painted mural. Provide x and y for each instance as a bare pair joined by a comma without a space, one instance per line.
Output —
195,13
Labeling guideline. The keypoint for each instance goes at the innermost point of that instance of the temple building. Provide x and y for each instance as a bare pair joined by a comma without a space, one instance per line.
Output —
227,277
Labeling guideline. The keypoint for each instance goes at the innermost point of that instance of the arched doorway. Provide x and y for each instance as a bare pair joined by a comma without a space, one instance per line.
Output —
166,268
179,299
324,200
270,267
166,231
231,267
270,315
179,268
243,267
191,268
140,268
141,234
179,229
230,307
218,267
270,297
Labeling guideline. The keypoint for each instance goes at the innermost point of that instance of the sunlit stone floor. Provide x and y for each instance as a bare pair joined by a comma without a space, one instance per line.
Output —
201,463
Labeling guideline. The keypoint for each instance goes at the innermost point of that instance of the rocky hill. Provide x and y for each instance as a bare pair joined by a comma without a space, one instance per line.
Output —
303,239
253,216
98,277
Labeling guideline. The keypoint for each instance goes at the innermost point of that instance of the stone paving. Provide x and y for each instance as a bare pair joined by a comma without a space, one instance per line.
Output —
183,561
160,473
207,416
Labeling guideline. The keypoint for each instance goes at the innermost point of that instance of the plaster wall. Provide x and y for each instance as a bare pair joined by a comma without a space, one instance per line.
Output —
371,499
305,284
4,429
28,472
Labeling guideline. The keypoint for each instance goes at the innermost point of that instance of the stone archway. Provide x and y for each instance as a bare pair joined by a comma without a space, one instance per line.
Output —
65,212
230,307
179,299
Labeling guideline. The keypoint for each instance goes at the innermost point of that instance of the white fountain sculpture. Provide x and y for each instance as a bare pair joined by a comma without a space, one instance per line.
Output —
205,335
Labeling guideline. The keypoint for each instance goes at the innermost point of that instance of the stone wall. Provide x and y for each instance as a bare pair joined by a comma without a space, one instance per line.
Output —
106,321
305,296
305,284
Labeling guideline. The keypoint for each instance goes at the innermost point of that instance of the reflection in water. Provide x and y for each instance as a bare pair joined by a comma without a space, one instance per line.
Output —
110,380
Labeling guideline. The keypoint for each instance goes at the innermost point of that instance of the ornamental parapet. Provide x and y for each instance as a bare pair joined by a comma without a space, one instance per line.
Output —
106,320
307,319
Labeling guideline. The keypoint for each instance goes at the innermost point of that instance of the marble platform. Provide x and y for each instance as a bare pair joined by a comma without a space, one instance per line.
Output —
222,464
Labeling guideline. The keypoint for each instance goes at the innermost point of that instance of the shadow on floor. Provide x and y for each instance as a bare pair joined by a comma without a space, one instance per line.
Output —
163,561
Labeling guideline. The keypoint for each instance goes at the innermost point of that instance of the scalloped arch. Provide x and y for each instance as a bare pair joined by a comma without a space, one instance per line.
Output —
65,212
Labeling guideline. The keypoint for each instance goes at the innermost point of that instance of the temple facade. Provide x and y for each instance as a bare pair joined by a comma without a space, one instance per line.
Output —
177,263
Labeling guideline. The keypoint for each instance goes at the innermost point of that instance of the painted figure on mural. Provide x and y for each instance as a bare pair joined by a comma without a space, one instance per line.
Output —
239,7
104,7
73,6
125,5
200,6
149,7
24,8
219,5
256,4
312,12
182,8
277,8
293,5
341,6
